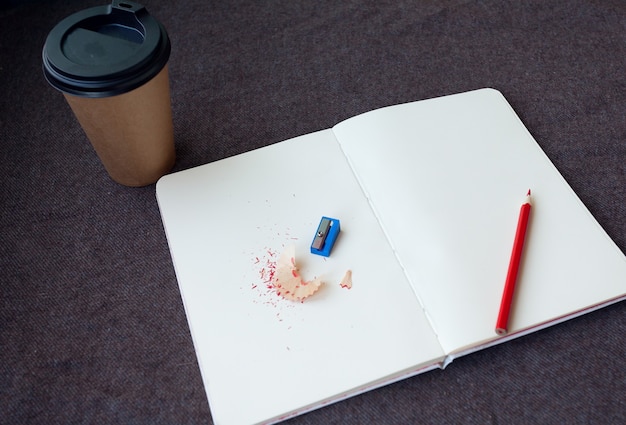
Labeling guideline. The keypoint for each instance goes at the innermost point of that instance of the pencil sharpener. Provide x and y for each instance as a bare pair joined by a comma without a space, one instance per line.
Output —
325,236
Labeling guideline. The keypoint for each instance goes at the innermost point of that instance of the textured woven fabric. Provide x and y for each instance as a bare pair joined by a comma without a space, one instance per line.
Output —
92,327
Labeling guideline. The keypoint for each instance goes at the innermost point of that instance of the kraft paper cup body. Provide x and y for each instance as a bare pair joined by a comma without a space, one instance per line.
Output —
110,63
132,133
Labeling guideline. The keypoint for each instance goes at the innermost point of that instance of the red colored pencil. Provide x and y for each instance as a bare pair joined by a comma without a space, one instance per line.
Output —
511,276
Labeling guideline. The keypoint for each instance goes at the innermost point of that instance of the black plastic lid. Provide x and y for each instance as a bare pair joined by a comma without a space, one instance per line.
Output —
105,50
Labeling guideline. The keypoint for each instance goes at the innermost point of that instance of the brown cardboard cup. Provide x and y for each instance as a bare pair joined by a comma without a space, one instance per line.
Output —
110,63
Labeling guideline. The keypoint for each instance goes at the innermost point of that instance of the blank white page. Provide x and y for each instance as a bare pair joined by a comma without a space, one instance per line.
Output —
263,357
447,177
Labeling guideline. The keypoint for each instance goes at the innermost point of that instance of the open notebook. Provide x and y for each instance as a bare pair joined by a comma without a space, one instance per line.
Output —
428,195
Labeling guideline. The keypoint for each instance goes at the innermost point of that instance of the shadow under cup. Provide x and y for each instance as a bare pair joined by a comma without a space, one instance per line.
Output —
110,63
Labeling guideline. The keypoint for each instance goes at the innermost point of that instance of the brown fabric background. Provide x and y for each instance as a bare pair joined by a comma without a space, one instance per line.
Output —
92,328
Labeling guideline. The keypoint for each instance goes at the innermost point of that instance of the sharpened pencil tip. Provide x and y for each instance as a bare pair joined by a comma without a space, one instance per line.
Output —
528,194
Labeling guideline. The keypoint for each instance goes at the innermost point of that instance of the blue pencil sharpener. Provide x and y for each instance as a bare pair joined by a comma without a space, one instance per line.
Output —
325,236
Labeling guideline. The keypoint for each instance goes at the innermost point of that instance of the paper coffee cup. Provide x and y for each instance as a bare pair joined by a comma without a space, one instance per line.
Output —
110,62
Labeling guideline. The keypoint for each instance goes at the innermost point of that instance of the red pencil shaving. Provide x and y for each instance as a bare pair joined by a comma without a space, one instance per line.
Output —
346,282
287,280
511,276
